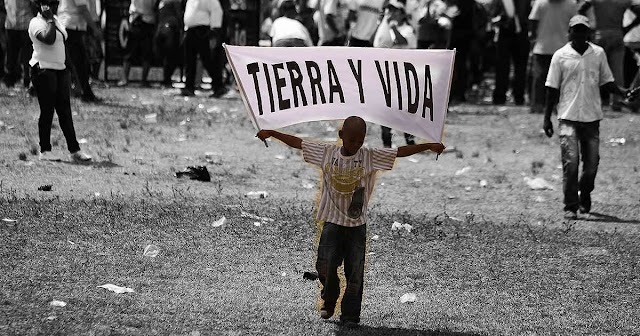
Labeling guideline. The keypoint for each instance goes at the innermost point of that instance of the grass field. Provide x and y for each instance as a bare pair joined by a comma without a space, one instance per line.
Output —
487,255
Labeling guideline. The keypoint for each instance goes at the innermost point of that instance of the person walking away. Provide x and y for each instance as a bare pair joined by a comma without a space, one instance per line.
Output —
511,16
547,18
168,37
394,31
142,19
51,79
19,49
363,20
75,15
202,23
577,73
348,178
287,31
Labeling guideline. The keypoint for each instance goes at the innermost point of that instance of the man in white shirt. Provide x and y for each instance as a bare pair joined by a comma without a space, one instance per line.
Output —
577,73
142,19
202,25
363,18
330,23
286,31
76,17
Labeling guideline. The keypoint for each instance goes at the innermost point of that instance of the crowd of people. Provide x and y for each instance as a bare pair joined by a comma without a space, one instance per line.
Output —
513,39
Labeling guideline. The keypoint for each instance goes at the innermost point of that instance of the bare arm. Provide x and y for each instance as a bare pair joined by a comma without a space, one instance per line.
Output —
409,150
290,140
611,87
553,96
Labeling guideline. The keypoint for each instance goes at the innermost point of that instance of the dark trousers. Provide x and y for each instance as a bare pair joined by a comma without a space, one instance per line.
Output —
340,244
460,83
78,57
196,42
579,139
354,42
386,137
541,65
168,44
53,88
511,48
19,50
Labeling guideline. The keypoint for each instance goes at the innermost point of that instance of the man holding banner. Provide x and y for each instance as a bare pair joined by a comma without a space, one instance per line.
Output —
404,89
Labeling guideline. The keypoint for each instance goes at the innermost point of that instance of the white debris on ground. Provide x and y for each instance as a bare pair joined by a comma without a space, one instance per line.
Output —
463,171
398,226
116,289
538,183
57,303
408,297
151,251
219,222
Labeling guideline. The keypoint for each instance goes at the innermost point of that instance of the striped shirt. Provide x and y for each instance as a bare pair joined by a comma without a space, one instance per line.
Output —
342,174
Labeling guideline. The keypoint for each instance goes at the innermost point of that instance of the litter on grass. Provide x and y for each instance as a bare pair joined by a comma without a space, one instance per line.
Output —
376,237
257,223
9,220
617,141
398,226
483,183
408,297
463,170
219,222
116,289
538,183
151,118
252,216
57,303
151,251
46,187
256,194
413,160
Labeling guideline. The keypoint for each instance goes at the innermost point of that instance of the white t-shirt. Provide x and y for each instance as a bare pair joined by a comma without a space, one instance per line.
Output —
285,28
342,174
579,78
48,56
553,24
70,15
203,13
368,14
385,36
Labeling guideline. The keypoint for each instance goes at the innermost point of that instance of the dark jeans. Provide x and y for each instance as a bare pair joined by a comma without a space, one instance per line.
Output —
53,88
576,139
541,65
386,137
19,50
460,83
514,48
196,42
338,244
78,60
354,42
168,44
140,42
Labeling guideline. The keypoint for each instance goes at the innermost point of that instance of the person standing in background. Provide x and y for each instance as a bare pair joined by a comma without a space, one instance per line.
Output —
435,24
19,48
462,36
202,24
363,19
75,16
168,37
547,19
286,31
608,34
142,19
330,23
51,80
3,37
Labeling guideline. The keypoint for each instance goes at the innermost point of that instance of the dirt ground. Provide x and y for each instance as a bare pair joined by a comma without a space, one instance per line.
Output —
491,150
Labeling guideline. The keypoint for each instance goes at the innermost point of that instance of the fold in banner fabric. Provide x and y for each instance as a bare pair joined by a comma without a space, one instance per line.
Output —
407,90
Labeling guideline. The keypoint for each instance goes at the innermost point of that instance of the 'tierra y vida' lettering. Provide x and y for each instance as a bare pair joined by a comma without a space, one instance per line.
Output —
312,83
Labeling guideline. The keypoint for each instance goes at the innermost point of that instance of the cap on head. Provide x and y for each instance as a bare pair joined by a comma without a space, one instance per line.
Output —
579,20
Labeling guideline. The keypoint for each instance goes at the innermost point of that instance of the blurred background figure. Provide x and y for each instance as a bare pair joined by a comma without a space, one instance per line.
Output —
607,16
203,33
631,40
435,21
19,48
330,23
363,19
511,19
395,31
168,37
142,20
75,16
3,38
287,31
95,55
462,36
548,18
306,10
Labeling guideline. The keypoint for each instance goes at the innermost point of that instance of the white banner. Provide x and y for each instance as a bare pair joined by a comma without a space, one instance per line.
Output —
407,90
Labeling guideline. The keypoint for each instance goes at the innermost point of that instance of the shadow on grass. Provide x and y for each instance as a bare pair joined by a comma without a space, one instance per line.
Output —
94,164
604,218
386,331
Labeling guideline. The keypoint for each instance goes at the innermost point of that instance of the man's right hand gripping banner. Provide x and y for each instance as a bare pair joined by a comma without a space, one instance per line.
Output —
407,90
